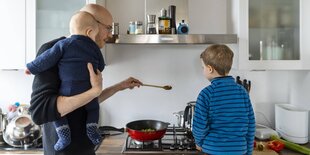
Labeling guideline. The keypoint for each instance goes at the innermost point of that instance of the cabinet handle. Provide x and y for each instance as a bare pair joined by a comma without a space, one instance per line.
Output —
261,50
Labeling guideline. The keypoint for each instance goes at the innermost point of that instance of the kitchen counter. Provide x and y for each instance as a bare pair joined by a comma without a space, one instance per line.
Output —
28,152
114,145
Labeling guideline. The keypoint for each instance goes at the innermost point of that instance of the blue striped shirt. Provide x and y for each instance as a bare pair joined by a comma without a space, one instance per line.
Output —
224,120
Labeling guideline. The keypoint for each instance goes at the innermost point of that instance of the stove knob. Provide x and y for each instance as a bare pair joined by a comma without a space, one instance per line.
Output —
181,147
172,147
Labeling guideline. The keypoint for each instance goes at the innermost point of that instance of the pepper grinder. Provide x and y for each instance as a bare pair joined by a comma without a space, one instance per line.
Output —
171,12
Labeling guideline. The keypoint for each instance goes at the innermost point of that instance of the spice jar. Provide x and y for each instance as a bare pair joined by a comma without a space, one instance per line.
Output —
139,27
115,28
131,28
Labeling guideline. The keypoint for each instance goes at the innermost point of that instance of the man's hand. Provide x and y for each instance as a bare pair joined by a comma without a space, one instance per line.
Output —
129,83
95,79
27,71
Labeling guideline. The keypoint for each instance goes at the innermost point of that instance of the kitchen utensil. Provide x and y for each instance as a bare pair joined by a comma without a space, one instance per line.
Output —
21,130
151,27
171,12
153,130
180,118
245,83
2,125
167,87
110,130
189,114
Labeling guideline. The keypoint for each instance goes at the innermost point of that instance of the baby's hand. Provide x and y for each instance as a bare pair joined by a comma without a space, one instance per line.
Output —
27,71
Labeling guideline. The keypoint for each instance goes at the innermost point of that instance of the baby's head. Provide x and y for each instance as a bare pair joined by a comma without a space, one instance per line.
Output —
218,58
83,23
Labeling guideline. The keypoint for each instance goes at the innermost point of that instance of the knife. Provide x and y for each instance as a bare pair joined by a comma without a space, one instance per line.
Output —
238,80
249,86
245,85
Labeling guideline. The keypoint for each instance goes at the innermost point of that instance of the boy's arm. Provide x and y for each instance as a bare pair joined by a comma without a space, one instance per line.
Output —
46,60
201,118
251,129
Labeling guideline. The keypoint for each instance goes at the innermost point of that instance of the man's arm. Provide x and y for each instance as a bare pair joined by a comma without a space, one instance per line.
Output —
128,83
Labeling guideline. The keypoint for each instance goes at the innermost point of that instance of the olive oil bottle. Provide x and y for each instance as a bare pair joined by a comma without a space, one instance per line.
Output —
164,22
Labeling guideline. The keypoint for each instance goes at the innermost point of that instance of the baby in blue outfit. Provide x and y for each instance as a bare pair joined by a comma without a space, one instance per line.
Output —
72,55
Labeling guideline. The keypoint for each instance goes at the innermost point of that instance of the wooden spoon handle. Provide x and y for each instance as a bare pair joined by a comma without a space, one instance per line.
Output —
149,85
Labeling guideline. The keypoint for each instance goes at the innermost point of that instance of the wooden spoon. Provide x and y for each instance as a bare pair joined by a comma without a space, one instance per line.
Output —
167,87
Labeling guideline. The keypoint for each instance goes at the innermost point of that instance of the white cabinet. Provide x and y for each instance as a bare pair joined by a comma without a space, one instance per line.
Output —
273,34
17,33
53,17
27,24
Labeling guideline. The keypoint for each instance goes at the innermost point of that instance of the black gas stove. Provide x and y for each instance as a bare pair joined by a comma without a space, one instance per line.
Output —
175,141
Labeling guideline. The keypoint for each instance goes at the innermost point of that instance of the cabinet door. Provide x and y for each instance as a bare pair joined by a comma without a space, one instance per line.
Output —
271,34
52,19
13,34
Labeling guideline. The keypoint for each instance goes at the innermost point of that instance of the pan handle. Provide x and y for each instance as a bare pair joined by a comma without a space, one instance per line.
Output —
111,128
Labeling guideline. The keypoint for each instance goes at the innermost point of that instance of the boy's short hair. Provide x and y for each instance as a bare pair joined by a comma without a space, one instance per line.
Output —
220,57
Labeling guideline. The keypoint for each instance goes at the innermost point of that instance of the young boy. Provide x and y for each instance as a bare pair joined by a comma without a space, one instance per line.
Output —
72,55
223,121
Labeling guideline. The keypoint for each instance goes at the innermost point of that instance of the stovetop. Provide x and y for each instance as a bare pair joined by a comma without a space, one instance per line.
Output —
175,140
7,147
35,146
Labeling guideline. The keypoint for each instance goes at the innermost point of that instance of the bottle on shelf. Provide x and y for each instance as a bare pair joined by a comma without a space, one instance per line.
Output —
183,28
164,22
172,11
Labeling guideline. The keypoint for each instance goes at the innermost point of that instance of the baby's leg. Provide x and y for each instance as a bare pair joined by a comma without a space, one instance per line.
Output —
63,132
92,122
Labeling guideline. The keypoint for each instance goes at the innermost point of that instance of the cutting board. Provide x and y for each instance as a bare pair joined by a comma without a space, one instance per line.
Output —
266,151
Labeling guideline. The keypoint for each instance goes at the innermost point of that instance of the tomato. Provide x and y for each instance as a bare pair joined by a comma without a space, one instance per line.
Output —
275,145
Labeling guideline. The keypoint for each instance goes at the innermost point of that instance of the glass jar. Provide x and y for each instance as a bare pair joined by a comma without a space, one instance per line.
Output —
132,28
139,27
115,28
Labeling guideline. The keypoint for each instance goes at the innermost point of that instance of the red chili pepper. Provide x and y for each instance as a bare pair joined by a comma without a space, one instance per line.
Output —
275,145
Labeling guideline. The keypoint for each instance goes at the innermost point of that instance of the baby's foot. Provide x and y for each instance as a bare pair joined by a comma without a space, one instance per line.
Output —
92,133
64,137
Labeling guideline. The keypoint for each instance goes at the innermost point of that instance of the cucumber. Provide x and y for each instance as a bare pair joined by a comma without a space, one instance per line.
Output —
292,146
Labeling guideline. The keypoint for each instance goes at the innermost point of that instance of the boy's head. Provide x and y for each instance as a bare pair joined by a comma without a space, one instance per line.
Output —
83,23
217,61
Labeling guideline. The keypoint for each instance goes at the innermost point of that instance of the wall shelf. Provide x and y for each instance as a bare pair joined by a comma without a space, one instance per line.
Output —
174,39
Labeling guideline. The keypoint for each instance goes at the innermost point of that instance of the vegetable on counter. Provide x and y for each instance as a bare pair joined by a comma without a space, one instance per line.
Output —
260,146
291,145
275,145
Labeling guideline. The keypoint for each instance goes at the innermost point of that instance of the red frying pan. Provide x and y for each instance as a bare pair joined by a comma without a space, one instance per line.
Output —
146,130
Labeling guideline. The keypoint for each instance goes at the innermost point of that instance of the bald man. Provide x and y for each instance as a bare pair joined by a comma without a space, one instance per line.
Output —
47,105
